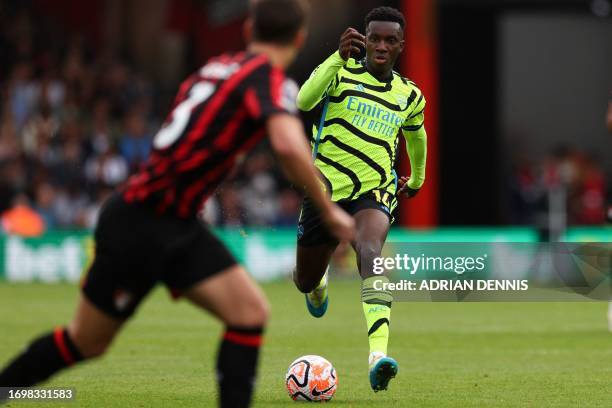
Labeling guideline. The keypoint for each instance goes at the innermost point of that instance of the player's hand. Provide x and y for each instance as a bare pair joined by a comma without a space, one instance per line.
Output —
404,190
350,41
339,223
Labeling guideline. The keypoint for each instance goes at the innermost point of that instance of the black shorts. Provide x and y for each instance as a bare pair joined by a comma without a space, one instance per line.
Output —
312,231
136,248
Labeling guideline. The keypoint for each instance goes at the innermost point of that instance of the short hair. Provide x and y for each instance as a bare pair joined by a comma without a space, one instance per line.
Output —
277,21
385,14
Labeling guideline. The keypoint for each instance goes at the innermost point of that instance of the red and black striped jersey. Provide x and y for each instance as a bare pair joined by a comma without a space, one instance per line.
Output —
219,113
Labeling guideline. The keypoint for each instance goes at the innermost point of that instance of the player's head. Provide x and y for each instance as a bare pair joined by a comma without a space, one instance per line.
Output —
277,22
384,27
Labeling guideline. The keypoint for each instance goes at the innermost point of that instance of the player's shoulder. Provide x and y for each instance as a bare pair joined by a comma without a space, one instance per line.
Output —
264,73
221,66
410,90
354,66
405,83
226,65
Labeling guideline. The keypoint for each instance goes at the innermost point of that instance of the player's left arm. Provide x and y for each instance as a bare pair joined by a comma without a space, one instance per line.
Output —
414,132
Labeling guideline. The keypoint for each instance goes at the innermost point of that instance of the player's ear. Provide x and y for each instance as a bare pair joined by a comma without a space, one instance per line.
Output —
247,30
402,45
300,38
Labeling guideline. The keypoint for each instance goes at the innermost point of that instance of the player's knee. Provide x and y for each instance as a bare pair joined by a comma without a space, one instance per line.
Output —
304,284
261,313
367,251
250,313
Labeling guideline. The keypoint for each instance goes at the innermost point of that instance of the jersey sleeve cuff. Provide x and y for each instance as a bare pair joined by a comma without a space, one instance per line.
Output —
336,59
415,184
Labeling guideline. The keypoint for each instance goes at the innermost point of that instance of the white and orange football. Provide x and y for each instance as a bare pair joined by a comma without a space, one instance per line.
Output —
311,378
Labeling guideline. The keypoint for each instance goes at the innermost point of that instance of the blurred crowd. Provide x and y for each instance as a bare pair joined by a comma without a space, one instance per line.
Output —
75,123
568,182
76,119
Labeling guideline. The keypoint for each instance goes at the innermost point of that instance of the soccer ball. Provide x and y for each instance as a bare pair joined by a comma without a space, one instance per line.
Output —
311,378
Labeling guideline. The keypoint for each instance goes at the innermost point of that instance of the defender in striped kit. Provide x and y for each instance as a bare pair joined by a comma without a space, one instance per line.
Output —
365,106
149,232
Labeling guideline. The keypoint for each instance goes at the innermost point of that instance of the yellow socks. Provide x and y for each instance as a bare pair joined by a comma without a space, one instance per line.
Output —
377,310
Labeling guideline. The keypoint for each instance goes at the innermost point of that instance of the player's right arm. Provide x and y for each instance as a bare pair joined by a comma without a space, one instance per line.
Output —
289,143
322,77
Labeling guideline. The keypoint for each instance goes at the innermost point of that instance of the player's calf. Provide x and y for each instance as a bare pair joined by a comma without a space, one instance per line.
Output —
45,356
88,336
311,264
239,352
377,310
233,297
237,365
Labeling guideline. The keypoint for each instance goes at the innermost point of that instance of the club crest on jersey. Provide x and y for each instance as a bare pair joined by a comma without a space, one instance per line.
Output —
402,101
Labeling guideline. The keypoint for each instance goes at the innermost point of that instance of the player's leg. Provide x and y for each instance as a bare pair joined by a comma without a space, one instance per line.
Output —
311,275
205,272
372,228
315,247
87,336
233,297
108,300
115,284
311,264
237,301
92,330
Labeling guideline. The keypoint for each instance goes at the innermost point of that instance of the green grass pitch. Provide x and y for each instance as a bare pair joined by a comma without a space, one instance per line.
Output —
450,354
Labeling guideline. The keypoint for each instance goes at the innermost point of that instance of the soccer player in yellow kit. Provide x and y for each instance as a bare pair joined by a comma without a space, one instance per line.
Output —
365,106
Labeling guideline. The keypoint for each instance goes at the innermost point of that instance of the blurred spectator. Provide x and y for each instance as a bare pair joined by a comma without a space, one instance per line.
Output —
232,213
9,142
21,219
135,143
107,169
44,204
101,131
68,166
90,213
590,200
21,92
70,207
39,130
259,192
289,203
